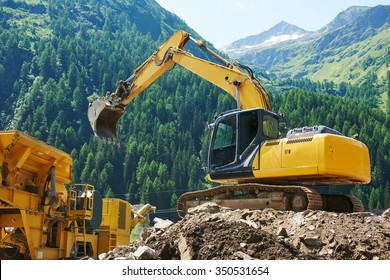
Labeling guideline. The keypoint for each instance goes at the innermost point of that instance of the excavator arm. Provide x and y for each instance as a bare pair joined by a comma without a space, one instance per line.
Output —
232,77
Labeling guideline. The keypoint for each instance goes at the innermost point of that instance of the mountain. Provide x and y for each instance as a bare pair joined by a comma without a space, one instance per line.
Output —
58,55
343,18
347,49
281,32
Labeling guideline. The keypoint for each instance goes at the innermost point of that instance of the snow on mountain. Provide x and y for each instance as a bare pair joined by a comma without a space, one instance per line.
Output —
281,32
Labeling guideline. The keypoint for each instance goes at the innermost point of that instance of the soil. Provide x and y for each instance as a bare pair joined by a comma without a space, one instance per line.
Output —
212,232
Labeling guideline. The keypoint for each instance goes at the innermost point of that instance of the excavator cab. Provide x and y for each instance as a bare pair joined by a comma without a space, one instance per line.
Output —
236,138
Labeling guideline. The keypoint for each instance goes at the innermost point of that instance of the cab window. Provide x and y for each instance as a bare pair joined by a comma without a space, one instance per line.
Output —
224,146
270,126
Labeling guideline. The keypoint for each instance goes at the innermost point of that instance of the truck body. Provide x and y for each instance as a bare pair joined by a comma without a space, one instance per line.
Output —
43,216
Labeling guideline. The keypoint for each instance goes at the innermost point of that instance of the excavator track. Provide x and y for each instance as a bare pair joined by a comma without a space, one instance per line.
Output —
341,203
253,196
260,196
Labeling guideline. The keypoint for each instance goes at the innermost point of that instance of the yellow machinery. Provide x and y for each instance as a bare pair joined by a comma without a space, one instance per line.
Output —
256,167
115,229
42,217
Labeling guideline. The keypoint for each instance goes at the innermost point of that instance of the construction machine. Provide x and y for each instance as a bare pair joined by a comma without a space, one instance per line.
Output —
256,168
42,216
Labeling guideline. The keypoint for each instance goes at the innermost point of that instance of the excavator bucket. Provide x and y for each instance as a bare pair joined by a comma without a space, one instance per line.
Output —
103,119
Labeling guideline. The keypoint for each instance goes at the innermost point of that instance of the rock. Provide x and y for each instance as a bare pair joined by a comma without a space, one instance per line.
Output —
109,256
209,207
250,223
313,241
102,256
162,224
282,232
243,256
386,214
185,251
87,258
145,253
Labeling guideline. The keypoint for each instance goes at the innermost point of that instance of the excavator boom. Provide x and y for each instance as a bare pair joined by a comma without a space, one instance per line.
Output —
105,113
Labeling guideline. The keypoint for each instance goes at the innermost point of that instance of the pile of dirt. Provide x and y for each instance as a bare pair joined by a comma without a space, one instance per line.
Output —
213,232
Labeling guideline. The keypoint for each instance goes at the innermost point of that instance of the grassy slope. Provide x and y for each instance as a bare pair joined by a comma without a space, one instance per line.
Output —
349,63
346,67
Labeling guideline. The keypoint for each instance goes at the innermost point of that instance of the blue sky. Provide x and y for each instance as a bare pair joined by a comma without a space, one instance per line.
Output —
223,21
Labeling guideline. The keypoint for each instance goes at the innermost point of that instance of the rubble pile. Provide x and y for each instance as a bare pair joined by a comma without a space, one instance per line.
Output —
212,232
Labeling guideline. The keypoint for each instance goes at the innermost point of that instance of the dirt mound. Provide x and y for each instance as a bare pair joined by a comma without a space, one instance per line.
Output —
207,236
213,232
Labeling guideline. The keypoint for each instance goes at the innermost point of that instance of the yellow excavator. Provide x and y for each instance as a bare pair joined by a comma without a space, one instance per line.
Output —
255,167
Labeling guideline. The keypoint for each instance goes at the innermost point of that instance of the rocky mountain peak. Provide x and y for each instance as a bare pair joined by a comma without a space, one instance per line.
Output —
280,32
344,17
375,17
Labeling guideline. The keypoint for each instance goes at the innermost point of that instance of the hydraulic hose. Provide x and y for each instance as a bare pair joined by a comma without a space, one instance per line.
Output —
53,184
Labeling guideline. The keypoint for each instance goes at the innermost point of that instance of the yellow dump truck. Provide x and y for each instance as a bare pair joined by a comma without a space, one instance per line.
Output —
43,216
